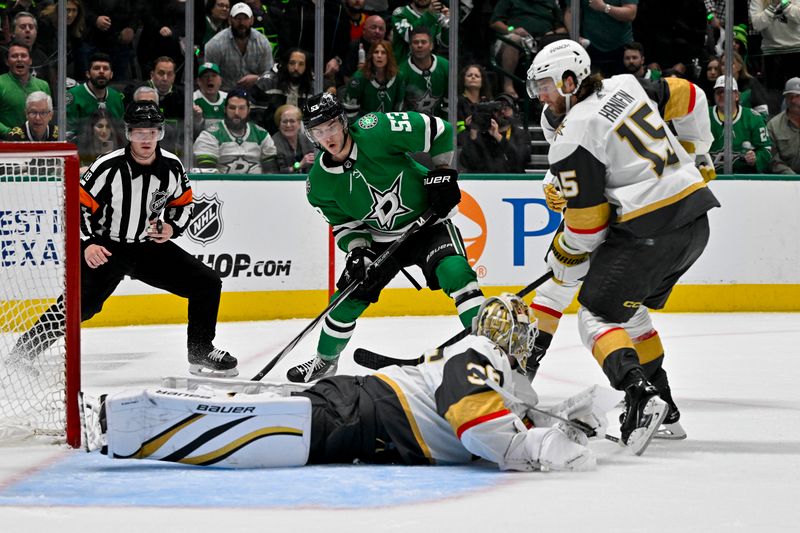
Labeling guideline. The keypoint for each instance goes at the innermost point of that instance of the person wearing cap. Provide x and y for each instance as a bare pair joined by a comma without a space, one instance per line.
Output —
242,55
751,143
784,130
778,21
209,100
496,142
236,145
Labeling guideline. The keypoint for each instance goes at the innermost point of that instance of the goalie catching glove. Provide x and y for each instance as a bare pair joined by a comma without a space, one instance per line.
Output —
568,265
441,185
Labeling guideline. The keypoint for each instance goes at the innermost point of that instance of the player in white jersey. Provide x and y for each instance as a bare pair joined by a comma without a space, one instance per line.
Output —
467,401
635,201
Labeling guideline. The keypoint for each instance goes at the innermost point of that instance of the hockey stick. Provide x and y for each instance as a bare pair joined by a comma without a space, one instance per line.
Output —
426,219
376,361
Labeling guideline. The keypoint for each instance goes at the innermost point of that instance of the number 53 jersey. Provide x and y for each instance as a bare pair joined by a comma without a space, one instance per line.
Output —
620,165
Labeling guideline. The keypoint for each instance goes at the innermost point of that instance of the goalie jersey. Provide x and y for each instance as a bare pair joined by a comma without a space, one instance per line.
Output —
445,413
621,167
378,190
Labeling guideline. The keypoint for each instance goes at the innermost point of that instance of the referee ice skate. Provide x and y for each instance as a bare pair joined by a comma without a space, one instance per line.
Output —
133,202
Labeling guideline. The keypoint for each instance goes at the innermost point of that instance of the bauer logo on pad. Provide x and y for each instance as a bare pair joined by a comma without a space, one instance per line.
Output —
206,225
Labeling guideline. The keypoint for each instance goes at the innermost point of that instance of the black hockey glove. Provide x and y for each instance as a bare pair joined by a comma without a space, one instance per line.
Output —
443,192
355,266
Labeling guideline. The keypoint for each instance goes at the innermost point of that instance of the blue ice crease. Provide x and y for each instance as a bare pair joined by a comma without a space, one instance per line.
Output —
94,480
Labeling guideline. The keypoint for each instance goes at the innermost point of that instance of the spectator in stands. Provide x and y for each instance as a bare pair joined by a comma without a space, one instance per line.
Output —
633,59
374,32
378,86
344,24
784,130
30,6
752,93
779,24
295,153
209,101
25,30
163,26
39,112
267,24
496,143
751,143
172,134
16,85
216,20
243,55
292,83
84,99
429,13
426,75
101,134
608,26
474,89
519,21
112,28
236,146
76,33
170,96
712,72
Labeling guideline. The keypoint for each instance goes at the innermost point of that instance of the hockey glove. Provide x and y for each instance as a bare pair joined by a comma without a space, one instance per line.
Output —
705,164
443,192
554,198
568,265
355,266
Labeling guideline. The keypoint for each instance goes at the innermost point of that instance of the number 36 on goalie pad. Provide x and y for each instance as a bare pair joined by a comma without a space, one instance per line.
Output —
209,427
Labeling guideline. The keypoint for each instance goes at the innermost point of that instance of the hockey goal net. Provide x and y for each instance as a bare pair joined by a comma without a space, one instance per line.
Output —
39,291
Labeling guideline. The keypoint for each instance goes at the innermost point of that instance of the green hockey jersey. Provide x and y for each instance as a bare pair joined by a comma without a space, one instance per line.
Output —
406,18
252,153
748,127
378,190
426,91
81,103
364,96
213,112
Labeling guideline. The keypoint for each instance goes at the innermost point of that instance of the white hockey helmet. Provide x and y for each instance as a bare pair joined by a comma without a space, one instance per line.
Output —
555,61
510,324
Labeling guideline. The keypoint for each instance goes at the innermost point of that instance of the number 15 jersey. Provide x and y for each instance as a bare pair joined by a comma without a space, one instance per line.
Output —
620,165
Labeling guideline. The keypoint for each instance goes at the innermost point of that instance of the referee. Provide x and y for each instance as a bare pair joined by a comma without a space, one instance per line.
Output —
133,202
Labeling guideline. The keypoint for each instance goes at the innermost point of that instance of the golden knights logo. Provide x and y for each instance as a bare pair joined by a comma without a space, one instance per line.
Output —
206,225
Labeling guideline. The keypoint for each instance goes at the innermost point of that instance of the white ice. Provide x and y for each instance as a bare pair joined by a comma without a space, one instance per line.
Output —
734,377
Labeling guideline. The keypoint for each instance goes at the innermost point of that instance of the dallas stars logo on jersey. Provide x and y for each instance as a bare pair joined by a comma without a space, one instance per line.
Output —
386,206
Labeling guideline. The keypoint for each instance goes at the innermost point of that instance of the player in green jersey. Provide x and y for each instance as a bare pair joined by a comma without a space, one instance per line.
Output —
370,191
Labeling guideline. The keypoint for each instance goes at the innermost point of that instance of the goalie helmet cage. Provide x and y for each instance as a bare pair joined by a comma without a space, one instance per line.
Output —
39,263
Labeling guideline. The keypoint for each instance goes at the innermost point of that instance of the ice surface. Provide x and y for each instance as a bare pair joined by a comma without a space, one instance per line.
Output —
733,375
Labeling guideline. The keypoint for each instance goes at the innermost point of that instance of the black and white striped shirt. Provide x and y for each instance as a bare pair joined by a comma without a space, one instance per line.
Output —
119,196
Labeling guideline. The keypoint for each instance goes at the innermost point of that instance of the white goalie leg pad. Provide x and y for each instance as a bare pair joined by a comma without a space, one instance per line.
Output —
233,385
209,428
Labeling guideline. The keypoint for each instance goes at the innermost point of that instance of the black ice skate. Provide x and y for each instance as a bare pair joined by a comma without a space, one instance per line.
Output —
214,363
312,370
644,412
671,428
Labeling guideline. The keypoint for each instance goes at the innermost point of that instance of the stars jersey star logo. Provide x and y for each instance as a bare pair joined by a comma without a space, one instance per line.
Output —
387,206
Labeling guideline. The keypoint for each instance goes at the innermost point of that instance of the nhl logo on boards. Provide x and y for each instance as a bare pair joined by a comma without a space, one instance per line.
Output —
206,225
368,121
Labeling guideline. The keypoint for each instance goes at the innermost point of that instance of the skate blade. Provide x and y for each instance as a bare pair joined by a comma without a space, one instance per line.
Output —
200,370
640,438
670,432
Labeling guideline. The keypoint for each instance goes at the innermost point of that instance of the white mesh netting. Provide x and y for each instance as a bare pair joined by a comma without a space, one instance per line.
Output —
32,281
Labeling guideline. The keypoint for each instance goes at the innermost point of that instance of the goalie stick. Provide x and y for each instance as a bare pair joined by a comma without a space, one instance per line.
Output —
376,361
426,219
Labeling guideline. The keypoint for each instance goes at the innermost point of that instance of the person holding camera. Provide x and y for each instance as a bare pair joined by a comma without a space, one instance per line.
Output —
495,142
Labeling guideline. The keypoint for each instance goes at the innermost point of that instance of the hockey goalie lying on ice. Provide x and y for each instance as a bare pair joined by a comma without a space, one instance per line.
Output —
468,400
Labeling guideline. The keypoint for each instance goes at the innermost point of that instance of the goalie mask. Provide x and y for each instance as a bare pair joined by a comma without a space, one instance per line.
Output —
143,114
318,110
509,323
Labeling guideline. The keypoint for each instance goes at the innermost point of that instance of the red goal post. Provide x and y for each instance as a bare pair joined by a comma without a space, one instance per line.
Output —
39,263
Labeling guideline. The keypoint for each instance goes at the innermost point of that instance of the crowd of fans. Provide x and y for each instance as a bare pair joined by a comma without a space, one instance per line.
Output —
253,70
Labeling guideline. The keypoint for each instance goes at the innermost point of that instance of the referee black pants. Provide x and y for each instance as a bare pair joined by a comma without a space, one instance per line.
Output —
165,266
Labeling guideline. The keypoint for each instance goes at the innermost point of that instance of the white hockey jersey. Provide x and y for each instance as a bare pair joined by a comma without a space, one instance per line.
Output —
619,164
455,416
